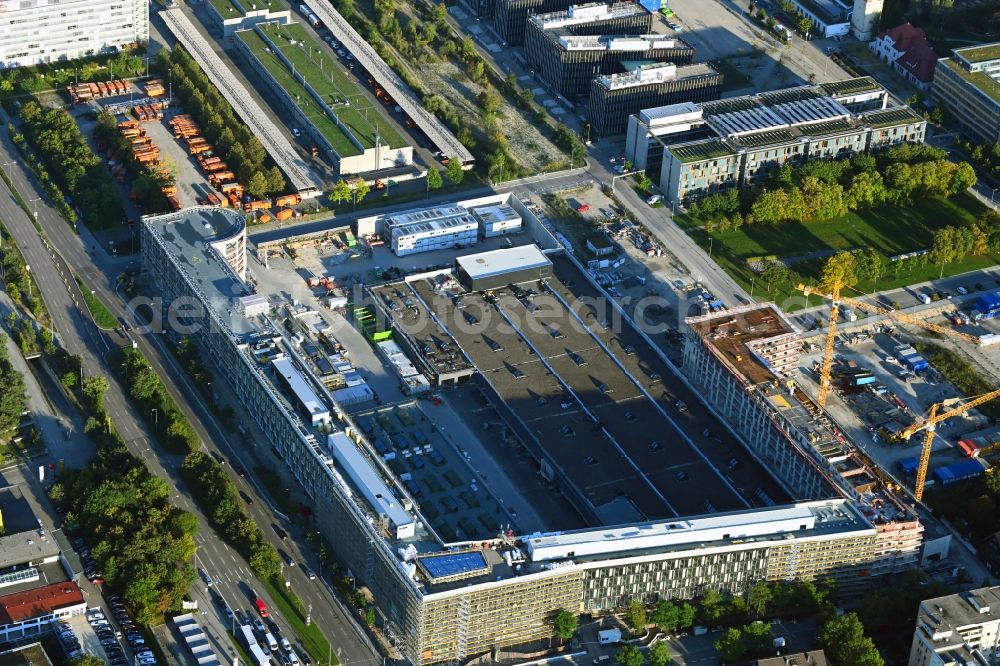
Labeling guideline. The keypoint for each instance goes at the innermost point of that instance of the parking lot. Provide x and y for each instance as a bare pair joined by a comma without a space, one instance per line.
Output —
435,472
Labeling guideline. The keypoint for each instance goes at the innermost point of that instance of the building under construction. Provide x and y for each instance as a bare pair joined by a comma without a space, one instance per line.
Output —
741,360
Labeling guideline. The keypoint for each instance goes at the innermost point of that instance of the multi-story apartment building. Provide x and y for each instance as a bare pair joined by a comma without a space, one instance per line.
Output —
42,31
443,602
738,141
739,360
570,48
615,97
967,86
958,629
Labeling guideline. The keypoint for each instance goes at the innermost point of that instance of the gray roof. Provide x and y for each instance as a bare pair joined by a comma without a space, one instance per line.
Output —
23,547
185,236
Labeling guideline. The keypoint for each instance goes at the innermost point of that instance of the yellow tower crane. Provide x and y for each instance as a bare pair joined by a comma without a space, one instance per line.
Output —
929,425
837,299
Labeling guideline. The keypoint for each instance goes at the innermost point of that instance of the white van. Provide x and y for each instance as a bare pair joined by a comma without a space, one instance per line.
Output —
271,642
655,199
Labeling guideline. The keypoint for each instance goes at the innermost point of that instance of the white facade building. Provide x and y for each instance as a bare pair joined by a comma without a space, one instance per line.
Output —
43,31
431,229
961,628
498,220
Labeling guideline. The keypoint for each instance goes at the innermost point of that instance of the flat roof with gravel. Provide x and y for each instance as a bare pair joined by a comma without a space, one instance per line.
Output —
701,150
590,415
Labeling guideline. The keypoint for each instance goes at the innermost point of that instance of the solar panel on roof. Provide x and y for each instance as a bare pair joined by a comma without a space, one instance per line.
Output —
454,564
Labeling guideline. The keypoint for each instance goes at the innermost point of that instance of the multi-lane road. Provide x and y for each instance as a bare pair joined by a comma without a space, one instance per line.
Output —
52,262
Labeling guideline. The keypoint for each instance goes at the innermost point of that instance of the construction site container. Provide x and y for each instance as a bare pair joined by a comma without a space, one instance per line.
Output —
960,471
221,177
216,167
284,214
264,218
154,88
228,188
916,362
908,465
199,148
213,199
987,306
287,200
969,448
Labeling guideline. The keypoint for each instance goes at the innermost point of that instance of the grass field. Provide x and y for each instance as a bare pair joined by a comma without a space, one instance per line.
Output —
890,230
328,77
98,311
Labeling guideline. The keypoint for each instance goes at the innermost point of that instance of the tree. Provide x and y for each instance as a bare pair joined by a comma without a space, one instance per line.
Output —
712,606
630,655
257,186
845,642
871,263
757,638
686,615
840,270
275,180
360,190
454,171
644,182
86,660
759,598
94,389
659,654
341,191
774,272
730,647
666,616
434,179
565,623
635,616
945,247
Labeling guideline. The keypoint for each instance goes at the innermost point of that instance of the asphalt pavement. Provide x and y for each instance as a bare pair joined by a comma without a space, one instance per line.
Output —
52,265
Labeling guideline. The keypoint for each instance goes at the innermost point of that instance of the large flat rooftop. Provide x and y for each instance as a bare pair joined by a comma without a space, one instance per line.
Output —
981,80
748,528
981,53
585,394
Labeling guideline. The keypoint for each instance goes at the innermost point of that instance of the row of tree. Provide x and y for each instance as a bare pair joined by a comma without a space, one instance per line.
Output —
29,80
13,398
219,499
230,138
16,277
142,544
77,171
955,243
824,189
157,407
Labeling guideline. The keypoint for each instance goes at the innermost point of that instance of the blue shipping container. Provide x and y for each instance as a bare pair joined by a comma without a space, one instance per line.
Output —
967,469
988,304
909,465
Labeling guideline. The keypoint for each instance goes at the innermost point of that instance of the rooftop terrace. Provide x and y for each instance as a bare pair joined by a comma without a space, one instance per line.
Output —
851,86
981,80
699,151
980,53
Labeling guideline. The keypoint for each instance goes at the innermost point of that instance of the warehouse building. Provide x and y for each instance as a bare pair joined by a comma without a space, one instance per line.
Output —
489,270
615,97
570,48
34,32
693,150
431,229
450,602
967,86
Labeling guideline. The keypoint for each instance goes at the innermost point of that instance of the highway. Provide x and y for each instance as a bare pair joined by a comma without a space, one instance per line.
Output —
51,266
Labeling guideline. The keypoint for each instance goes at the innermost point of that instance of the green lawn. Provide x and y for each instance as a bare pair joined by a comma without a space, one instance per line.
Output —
295,613
227,9
98,311
327,76
890,230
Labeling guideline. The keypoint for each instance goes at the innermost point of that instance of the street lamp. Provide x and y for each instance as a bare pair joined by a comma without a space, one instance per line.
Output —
10,171
993,194
35,207
711,243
